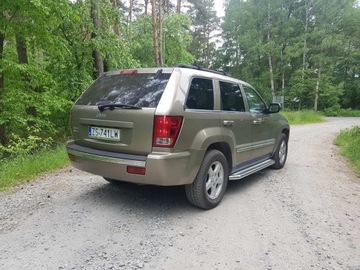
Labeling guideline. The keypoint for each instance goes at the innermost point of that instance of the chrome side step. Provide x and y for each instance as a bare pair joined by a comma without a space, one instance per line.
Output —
250,170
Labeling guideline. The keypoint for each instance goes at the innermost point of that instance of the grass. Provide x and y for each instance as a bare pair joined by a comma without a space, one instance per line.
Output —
302,117
342,112
24,169
349,142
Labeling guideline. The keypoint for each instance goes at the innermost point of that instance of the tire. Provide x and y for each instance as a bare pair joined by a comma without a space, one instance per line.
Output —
280,155
210,183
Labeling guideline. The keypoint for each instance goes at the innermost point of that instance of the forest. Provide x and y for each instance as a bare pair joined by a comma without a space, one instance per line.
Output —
304,53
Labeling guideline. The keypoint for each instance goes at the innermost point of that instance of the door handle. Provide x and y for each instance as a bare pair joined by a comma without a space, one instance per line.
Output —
257,121
228,123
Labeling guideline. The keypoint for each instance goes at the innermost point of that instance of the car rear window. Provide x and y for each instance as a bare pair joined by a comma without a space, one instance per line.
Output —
201,94
140,89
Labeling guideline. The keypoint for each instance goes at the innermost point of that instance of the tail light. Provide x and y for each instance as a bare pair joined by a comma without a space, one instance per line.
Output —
135,170
166,130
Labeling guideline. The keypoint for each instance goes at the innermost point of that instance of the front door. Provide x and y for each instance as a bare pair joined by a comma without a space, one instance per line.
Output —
263,141
236,122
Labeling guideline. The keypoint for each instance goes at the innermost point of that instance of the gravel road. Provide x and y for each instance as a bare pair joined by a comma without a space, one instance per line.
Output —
305,216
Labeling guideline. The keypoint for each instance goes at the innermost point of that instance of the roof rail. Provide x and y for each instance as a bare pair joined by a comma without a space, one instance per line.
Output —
221,72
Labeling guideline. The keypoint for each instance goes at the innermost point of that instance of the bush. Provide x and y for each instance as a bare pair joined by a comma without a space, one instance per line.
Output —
341,112
349,142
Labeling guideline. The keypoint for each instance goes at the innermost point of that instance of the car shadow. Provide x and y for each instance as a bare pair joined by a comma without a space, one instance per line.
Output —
238,186
154,199
140,198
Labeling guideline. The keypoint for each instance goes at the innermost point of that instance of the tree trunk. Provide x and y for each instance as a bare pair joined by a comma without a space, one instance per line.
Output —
130,10
178,6
270,57
116,27
3,137
23,60
155,36
283,68
146,6
305,40
21,50
207,50
2,41
161,34
317,88
237,51
167,6
271,70
97,58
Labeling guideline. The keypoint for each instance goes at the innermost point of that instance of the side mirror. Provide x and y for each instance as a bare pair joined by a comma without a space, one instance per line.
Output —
274,108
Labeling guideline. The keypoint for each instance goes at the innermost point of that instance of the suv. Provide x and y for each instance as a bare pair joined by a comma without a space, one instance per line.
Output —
183,125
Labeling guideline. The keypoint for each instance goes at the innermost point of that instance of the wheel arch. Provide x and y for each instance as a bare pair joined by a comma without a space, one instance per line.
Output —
286,132
224,148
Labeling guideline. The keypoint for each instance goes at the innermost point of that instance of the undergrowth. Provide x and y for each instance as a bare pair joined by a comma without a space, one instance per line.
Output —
26,168
349,142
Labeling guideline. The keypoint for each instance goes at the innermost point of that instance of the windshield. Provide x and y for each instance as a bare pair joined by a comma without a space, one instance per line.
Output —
141,90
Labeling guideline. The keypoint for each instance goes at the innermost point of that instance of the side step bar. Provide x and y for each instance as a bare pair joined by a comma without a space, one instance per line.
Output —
250,170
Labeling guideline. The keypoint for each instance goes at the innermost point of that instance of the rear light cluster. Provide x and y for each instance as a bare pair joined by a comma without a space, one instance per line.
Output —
166,130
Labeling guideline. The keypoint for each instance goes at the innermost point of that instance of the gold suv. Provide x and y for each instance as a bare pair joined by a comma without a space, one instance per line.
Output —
176,126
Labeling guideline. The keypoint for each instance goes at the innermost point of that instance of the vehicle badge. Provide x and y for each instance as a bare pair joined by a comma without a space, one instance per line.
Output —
101,115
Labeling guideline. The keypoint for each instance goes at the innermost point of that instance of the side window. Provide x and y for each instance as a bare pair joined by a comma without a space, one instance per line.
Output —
231,97
201,94
256,104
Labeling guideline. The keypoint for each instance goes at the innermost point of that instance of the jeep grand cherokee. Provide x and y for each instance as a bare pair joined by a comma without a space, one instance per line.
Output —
183,125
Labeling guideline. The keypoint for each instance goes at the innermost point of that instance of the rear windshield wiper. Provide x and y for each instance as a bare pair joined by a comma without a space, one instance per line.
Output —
112,106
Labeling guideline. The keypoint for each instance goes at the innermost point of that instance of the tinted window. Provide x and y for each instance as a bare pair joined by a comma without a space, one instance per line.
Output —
231,97
142,90
256,104
201,94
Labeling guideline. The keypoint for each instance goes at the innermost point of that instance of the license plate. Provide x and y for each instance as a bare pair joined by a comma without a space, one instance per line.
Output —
112,134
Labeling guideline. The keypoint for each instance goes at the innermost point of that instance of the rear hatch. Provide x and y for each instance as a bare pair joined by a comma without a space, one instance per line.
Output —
116,113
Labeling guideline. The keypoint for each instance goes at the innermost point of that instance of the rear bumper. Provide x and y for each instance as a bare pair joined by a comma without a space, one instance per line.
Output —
163,169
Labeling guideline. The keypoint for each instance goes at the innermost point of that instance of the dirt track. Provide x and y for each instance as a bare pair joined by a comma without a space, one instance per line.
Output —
306,216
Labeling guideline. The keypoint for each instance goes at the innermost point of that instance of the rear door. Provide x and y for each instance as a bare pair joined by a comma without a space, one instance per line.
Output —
116,113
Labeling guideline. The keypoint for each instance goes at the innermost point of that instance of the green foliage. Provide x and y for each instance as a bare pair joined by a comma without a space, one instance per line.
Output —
36,94
312,45
140,33
176,40
302,117
33,102
205,23
26,168
349,142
